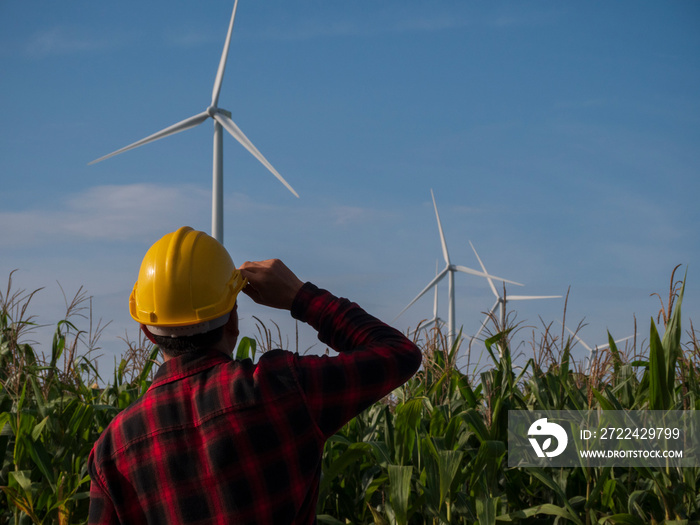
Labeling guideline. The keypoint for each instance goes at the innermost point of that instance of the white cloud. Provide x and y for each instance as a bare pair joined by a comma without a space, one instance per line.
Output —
111,212
145,211
61,40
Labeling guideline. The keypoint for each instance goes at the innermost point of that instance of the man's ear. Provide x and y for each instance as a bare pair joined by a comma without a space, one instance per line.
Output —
148,334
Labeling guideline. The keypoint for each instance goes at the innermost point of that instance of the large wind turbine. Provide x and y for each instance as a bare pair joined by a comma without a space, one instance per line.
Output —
501,301
222,120
449,270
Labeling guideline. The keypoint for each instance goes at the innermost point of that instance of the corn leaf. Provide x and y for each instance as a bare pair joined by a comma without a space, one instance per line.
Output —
448,462
659,395
246,349
408,417
399,491
547,509
621,519
486,510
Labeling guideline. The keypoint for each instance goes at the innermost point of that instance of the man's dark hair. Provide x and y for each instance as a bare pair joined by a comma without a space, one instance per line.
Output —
177,346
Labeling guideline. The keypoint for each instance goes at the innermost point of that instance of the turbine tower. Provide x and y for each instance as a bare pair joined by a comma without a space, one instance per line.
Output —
222,120
449,270
502,300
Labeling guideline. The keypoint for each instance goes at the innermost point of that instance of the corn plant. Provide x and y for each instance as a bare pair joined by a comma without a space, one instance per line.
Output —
433,452
52,411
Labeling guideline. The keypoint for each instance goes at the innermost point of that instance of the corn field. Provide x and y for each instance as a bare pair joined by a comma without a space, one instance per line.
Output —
434,452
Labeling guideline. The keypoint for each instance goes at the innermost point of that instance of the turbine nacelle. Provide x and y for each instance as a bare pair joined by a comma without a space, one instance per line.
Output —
213,110
223,120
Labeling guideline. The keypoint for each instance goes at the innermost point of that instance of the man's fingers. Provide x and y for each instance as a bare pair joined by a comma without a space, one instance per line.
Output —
251,292
270,283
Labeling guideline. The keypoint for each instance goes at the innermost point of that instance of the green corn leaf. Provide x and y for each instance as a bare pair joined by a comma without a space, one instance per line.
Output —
484,468
452,354
20,403
659,396
598,489
486,510
20,479
352,454
545,478
374,485
408,416
452,432
475,421
547,509
246,349
608,492
326,519
39,428
672,336
671,341
399,491
148,366
608,401
381,453
388,421
468,394
621,519
4,420
42,459
448,462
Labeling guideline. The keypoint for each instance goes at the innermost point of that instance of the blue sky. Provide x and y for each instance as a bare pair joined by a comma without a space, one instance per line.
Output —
560,138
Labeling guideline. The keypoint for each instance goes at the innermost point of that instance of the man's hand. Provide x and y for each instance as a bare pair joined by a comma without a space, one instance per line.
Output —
270,283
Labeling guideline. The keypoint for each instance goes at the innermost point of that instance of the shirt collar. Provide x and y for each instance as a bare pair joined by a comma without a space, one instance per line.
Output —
188,364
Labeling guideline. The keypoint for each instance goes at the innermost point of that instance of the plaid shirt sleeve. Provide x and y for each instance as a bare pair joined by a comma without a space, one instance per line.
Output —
373,359
101,507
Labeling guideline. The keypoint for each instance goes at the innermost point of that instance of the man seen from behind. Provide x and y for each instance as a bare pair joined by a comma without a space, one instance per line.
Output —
215,440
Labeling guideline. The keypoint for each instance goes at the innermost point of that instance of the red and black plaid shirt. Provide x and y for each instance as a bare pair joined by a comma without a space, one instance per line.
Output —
221,441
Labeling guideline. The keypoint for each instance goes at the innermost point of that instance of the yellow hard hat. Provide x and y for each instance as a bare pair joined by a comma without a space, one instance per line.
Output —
187,284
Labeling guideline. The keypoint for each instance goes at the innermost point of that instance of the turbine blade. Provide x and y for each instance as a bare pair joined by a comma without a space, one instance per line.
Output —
486,320
442,235
171,130
483,268
464,269
590,350
432,283
427,324
607,345
222,63
237,134
528,297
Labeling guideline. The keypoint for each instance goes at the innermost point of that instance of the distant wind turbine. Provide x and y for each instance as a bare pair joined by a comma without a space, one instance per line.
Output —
593,352
222,120
449,270
502,300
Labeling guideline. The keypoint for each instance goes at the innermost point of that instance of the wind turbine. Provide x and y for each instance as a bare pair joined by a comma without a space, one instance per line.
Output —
449,270
501,301
592,352
222,120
